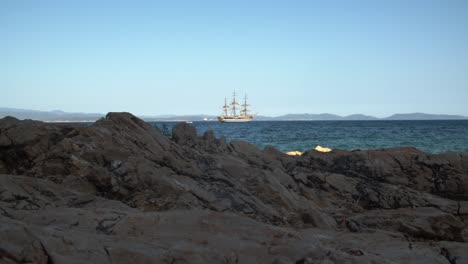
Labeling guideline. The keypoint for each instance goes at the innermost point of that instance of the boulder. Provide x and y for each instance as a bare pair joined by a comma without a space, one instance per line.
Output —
183,133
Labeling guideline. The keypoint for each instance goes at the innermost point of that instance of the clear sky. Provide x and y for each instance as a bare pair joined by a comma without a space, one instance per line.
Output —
183,57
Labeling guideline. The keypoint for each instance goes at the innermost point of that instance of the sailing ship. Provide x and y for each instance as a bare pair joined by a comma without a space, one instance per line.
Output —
230,111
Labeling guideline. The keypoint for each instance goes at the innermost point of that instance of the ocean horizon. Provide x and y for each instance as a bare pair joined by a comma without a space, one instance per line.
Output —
432,136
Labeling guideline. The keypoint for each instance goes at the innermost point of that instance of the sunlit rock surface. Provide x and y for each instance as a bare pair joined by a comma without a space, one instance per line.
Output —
294,153
119,191
322,149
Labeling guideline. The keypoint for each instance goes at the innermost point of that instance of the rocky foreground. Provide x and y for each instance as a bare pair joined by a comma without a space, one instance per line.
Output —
119,191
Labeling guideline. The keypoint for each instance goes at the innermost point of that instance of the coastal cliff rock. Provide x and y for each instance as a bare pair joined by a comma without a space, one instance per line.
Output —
442,174
118,191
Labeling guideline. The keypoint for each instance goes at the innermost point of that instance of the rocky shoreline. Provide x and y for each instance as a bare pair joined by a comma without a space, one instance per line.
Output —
119,191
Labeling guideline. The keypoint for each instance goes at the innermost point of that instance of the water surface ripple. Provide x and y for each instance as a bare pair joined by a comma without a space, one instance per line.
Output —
434,136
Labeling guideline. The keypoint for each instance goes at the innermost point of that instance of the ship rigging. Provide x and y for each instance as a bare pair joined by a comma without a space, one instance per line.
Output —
230,111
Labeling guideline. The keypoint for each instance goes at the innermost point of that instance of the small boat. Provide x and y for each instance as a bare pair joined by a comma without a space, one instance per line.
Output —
230,111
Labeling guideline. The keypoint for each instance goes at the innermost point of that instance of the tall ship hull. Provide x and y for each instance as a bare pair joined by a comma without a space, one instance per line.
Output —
230,111
234,120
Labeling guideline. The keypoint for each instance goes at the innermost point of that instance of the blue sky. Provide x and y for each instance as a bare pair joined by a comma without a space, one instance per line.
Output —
184,57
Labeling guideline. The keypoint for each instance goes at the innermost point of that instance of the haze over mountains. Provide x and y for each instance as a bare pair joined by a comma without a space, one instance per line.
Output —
57,115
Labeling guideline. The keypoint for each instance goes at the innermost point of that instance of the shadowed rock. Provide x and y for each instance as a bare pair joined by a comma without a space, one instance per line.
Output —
184,132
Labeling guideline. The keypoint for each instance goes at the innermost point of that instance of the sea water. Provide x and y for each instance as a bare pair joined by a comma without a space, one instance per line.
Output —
434,136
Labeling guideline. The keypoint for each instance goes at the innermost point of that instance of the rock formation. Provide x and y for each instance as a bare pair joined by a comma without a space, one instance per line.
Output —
118,191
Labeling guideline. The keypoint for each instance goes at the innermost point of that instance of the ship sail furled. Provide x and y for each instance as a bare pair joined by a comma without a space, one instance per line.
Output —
225,107
233,104
230,111
245,110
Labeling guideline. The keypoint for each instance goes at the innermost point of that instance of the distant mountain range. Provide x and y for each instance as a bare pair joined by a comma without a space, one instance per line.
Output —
57,116
324,116
422,116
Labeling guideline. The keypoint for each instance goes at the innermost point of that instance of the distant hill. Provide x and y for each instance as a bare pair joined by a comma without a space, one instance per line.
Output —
179,118
263,118
58,115
51,116
360,117
324,116
422,116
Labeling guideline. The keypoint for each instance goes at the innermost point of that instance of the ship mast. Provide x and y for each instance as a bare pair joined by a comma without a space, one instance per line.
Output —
225,107
235,111
245,111
234,103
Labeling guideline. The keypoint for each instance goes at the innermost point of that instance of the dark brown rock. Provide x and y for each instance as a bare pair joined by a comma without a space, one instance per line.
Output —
423,223
183,132
441,174
119,191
